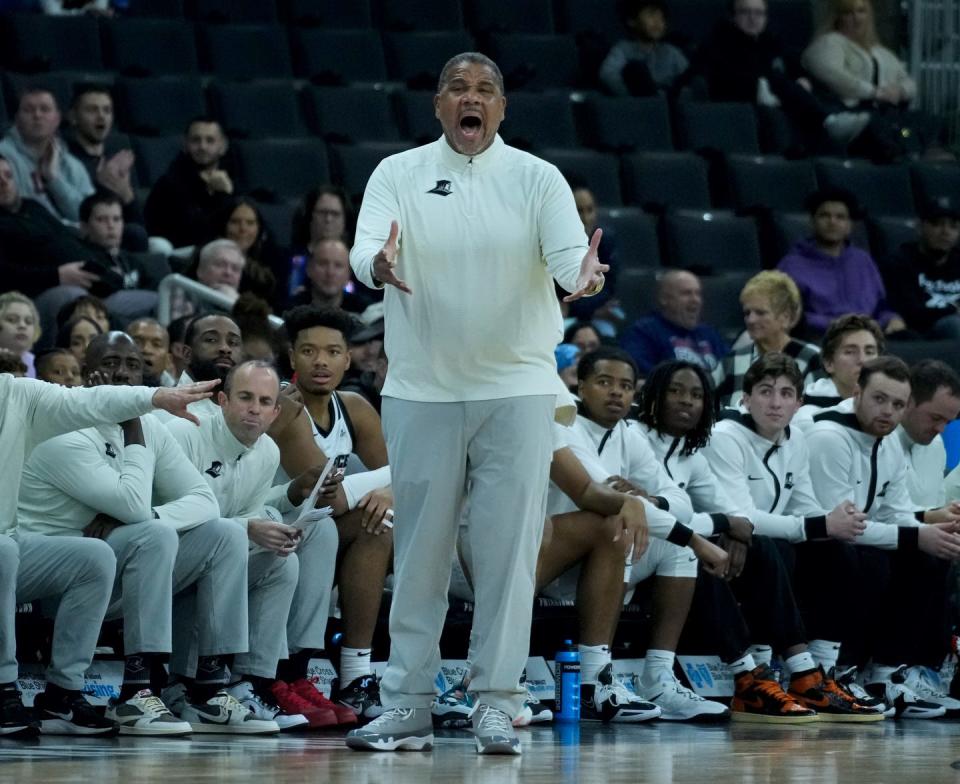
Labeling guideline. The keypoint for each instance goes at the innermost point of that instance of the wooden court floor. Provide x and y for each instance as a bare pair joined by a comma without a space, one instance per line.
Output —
898,752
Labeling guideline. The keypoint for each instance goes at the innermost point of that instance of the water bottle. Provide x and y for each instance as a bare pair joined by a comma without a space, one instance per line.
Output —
567,673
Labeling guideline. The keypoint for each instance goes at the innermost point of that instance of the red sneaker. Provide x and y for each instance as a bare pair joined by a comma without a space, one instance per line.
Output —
291,702
306,690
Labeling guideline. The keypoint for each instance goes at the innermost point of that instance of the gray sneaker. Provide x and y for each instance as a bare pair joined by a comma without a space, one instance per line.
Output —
396,729
493,732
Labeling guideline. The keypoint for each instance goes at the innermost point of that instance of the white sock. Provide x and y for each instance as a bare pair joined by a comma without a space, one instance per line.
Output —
762,654
825,653
799,662
745,663
657,662
354,663
593,658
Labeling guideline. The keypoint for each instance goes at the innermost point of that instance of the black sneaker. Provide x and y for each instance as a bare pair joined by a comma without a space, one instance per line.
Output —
15,719
362,696
70,716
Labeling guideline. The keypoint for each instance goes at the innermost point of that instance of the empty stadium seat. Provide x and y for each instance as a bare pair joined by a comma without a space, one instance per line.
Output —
657,181
601,171
343,114
159,106
59,83
36,42
283,168
711,242
154,156
330,13
246,51
417,120
692,20
721,302
416,58
718,127
911,351
598,18
635,234
278,217
637,291
881,190
258,109
627,124
353,164
217,11
535,121
509,16
888,234
790,227
4,117
410,15
339,56
931,180
151,9
536,62
761,182
151,47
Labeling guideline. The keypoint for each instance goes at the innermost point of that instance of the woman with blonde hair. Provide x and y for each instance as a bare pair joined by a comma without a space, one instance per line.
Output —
19,327
772,306
847,57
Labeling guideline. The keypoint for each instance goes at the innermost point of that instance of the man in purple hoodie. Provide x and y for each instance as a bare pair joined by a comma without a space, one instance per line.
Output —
834,277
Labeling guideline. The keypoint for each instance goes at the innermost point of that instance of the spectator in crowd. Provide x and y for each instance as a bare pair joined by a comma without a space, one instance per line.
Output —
108,162
178,347
849,342
934,404
771,308
366,357
219,266
267,267
44,168
198,183
674,331
67,8
848,58
59,366
76,335
324,214
603,308
743,61
19,327
833,276
153,340
567,356
260,339
584,336
643,64
328,278
923,278
11,363
92,307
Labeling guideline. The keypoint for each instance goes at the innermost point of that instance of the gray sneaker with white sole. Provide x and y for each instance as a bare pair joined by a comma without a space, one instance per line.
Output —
396,729
493,732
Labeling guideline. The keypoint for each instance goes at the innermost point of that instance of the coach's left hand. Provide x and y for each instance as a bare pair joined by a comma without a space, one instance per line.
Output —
590,280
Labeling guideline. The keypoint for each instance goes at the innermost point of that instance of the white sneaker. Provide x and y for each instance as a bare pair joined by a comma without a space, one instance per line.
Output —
533,711
928,686
678,703
610,700
222,713
263,709
906,702
145,714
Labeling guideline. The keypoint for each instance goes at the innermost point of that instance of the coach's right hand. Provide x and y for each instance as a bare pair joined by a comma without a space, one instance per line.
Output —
385,261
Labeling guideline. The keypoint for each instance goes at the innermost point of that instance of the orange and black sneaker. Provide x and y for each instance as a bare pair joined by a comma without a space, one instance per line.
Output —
816,691
758,698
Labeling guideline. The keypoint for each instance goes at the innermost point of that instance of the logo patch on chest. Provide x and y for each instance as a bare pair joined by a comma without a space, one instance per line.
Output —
110,451
215,469
442,188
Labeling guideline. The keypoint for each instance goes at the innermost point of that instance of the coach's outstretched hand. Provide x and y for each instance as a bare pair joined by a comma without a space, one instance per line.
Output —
175,400
385,261
591,271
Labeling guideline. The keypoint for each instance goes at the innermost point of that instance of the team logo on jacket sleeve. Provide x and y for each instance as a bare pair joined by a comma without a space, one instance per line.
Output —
442,188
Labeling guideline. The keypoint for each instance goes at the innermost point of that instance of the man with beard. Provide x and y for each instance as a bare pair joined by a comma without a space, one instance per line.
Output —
194,189
900,591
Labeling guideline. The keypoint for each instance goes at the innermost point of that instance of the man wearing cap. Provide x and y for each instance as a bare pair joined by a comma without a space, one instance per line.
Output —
923,276
834,276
